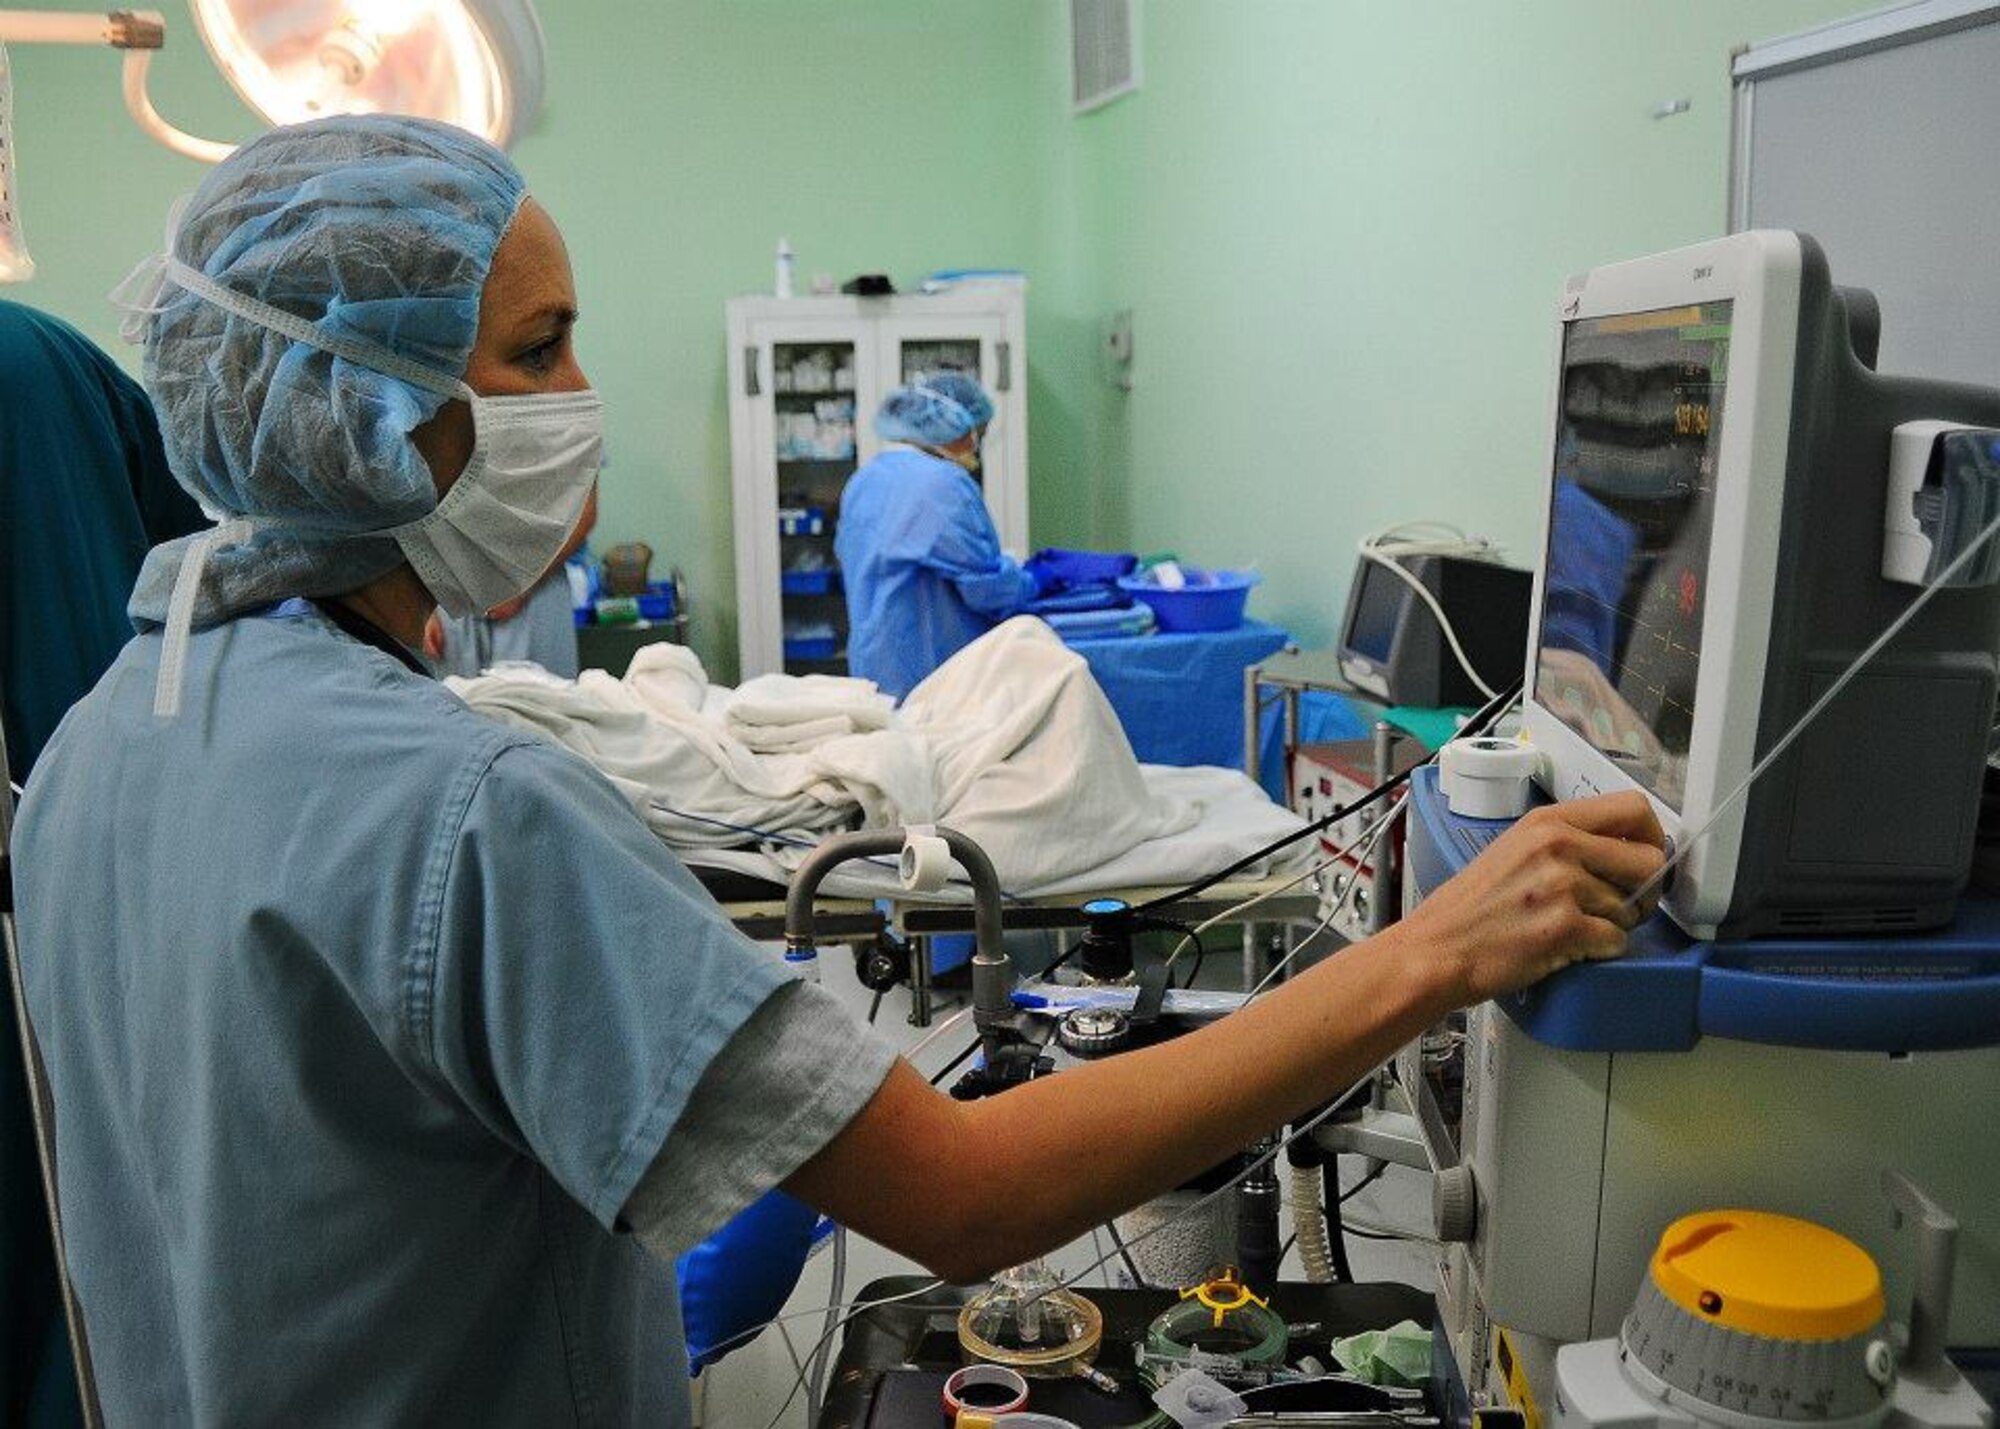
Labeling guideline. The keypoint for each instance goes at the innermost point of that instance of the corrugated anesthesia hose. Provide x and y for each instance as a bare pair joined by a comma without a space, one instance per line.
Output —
1309,1224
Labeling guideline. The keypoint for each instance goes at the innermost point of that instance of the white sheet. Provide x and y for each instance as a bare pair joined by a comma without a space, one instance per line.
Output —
1010,742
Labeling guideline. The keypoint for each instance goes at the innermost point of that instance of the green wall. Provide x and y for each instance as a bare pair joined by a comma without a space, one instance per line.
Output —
1339,226
681,138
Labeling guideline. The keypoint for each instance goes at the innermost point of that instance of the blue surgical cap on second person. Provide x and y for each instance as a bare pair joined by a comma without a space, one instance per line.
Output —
935,411
378,230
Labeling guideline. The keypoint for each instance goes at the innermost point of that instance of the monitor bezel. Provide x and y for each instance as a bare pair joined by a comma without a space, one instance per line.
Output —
1759,273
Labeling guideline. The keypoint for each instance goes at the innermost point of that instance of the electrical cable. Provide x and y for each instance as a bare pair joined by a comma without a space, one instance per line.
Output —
1478,720
852,1311
1363,1184
817,1385
1375,834
1387,552
942,1029
949,1067
1251,902
1125,1253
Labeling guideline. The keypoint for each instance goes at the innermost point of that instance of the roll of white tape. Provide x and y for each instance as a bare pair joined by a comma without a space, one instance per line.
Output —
926,862
1488,777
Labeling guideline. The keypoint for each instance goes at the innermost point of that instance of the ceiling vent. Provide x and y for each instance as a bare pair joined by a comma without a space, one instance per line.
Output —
1104,51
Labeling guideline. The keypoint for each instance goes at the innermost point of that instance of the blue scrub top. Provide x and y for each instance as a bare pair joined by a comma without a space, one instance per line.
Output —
922,567
365,1016
543,632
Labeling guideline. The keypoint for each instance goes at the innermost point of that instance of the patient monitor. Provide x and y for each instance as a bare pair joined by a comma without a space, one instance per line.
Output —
1720,468
1714,560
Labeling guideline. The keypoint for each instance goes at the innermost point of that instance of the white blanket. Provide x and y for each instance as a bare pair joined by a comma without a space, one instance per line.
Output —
1010,742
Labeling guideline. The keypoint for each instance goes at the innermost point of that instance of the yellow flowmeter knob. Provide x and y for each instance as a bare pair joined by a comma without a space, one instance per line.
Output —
1762,1315
1769,1275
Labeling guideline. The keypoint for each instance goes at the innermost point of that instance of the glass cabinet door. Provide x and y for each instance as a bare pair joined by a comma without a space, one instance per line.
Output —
920,357
978,346
813,395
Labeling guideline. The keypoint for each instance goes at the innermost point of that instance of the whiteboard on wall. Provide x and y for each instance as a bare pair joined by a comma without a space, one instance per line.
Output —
1880,137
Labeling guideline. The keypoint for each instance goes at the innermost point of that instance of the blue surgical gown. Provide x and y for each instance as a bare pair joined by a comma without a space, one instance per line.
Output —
365,1016
922,567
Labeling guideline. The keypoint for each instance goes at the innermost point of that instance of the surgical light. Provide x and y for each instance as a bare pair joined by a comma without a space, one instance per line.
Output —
473,63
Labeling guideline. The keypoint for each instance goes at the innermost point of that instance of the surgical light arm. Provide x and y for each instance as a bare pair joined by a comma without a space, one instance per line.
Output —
138,33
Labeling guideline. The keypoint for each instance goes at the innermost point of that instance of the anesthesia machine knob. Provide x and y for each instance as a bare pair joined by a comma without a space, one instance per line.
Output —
881,964
1454,1204
1763,1316
1105,953
1093,1031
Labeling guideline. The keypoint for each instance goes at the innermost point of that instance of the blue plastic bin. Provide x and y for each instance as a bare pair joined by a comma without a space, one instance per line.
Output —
1211,600
821,582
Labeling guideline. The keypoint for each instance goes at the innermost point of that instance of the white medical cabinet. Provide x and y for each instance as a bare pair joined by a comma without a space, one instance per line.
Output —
805,378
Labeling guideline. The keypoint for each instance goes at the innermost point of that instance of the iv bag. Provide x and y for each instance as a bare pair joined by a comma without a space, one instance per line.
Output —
15,264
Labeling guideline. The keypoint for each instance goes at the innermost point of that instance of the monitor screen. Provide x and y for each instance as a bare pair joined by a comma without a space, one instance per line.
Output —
1639,429
1371,627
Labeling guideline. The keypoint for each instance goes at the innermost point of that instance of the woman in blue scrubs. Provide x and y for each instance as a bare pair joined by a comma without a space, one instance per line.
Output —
392,1057
919,557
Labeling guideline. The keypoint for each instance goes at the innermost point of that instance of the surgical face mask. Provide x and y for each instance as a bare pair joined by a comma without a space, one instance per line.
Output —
512,510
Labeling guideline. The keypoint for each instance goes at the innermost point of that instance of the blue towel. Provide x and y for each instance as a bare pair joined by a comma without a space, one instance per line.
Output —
1101,624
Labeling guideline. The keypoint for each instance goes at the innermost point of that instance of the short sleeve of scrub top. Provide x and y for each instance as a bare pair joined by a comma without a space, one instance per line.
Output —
585,982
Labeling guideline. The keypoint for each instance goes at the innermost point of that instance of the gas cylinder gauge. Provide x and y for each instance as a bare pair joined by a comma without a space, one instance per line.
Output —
1748,1319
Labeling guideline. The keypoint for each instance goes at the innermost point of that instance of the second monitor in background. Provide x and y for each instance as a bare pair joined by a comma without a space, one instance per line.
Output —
1394,643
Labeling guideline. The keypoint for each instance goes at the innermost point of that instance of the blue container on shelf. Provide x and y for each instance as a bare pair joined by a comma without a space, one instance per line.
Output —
811,640
811,647
820,582
1209,600
658,601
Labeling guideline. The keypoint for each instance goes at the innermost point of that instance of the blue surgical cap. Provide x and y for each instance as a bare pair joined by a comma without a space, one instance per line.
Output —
377,230
935,411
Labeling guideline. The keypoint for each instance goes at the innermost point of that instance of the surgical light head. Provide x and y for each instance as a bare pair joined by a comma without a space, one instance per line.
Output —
378,233
936,411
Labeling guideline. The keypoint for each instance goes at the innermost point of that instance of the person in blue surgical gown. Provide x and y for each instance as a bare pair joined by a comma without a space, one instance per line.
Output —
919,556
393,1057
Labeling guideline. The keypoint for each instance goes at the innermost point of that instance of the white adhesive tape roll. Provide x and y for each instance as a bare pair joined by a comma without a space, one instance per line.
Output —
926,862
1488,777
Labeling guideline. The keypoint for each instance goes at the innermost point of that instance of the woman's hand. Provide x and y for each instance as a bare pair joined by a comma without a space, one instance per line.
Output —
1550,891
